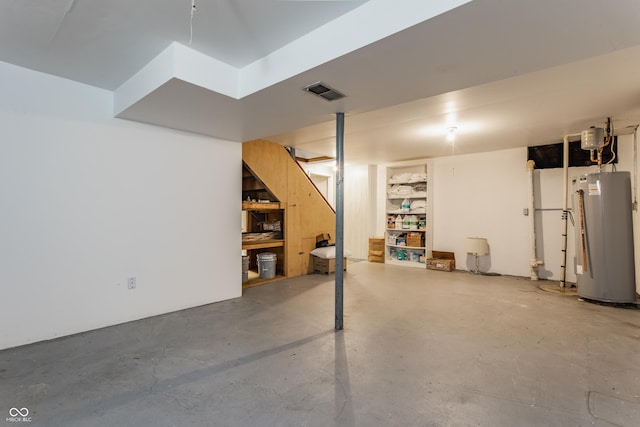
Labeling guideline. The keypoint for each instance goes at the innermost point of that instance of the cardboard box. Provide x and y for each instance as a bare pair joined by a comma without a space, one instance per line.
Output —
376,249
326,266
376,243
443,261
415,240
322,237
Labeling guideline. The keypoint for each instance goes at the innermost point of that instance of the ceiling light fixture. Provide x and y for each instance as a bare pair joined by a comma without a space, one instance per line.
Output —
451,133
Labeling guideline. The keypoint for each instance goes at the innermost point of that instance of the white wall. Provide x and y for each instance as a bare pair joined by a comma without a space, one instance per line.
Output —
357,213
483,195
88,201
380,195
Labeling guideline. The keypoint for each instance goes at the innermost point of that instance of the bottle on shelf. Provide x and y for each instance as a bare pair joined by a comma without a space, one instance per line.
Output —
406,206
399,222
413,222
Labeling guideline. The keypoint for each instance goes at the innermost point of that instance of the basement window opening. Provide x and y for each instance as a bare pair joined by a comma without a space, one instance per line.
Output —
550,156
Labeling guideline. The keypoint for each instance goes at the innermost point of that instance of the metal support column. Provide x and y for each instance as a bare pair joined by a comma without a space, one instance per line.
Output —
339,219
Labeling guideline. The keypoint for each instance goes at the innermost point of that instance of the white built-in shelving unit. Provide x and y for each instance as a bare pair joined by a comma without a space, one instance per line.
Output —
406,216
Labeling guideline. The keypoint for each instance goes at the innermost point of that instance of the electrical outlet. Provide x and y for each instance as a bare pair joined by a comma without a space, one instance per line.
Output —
131,283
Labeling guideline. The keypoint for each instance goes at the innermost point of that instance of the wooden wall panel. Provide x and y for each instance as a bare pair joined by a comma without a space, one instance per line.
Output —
308,244
268,161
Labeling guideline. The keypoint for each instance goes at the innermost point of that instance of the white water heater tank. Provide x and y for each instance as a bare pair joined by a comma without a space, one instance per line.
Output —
592,138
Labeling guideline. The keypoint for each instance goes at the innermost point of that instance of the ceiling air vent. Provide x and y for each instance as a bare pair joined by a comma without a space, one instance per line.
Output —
324,91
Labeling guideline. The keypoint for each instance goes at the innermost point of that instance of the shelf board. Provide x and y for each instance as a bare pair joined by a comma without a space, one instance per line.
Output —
405,230
406,213
406,197
405,247
263,244
407,183
256,206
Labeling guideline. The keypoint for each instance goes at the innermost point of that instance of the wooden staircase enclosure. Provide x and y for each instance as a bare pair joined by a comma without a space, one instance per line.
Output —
307,213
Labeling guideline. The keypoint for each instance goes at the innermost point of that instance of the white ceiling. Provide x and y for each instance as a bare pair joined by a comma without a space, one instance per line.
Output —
506,73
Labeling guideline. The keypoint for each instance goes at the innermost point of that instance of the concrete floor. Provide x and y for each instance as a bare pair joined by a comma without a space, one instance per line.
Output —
420,348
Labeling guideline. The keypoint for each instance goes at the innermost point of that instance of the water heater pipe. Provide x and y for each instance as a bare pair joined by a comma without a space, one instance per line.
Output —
534,262
583,239
634,183
565,206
